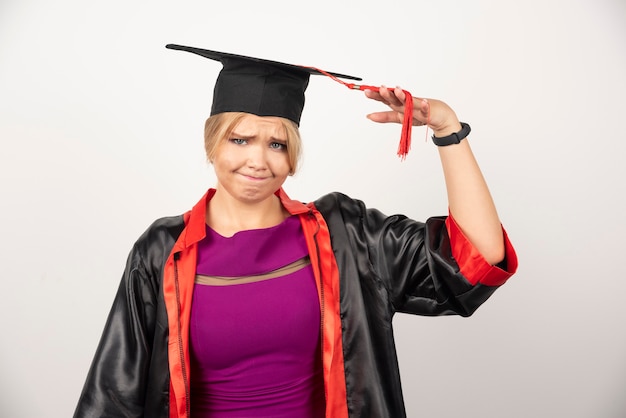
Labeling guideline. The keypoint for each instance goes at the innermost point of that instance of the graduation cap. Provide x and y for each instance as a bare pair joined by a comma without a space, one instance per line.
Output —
270,88
258,86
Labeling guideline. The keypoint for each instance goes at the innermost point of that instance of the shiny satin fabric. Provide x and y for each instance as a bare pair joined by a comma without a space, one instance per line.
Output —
389,264
129,376
385,265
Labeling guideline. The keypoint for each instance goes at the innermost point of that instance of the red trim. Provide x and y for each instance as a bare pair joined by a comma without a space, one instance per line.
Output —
173,410
178,298
471,262
327,274
177,291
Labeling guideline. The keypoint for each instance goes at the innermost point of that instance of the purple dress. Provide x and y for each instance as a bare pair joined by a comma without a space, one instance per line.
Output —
255,347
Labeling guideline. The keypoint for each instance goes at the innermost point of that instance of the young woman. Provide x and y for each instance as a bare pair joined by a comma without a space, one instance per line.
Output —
256,305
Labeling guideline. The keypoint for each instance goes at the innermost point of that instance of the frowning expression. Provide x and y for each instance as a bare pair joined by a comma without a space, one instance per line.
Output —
252,163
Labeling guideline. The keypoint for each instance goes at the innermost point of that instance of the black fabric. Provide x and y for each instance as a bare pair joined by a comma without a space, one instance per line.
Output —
387,264
129,376
258,86
259,89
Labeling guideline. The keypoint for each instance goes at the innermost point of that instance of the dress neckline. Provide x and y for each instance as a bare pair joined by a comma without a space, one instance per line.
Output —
287,221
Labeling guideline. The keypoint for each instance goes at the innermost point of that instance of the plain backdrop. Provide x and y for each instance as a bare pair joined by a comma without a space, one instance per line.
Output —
101,133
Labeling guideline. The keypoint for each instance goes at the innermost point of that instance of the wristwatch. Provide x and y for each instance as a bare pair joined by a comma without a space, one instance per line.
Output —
455,138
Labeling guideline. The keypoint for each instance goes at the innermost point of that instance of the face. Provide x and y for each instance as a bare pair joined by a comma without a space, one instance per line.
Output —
252,162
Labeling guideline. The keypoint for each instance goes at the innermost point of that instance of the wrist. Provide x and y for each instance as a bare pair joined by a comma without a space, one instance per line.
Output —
453,138
449,129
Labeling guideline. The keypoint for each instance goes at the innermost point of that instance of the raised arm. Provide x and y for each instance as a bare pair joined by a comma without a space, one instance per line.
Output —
469,200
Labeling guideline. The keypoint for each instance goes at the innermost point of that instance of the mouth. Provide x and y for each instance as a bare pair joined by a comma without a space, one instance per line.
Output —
253,178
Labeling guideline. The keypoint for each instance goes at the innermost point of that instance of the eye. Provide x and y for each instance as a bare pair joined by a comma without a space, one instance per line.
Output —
238,141
280,146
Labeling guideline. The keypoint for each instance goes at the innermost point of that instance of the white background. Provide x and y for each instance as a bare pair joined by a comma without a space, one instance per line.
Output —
101,133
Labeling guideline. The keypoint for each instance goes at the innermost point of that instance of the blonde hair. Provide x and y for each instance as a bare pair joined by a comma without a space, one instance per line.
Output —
218,127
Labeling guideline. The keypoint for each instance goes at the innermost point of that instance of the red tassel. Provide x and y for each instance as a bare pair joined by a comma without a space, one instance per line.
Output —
407,123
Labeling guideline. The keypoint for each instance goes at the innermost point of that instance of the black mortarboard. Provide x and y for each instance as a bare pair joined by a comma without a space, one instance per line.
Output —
258,86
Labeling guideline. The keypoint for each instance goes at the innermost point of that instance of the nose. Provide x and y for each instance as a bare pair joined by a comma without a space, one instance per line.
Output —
256,157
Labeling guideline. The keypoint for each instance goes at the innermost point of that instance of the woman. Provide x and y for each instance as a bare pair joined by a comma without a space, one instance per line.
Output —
256,305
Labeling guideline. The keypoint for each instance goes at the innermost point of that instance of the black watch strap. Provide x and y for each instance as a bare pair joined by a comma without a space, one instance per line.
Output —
455,138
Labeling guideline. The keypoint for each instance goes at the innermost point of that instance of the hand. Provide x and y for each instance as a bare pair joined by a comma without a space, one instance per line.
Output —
442,119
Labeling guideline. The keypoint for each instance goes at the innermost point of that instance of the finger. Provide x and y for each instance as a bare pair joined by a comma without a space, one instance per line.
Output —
385,117
400,95
391,97
421,105
374,95
421,110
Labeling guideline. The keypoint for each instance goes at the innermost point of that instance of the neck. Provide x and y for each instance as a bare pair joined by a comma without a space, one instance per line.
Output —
229,216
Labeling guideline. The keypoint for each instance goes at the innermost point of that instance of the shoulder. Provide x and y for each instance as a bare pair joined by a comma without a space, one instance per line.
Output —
162,229
158,239
342,206
337,201
342,212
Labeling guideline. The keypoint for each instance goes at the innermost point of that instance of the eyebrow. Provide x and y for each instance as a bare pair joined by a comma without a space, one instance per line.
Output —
242,136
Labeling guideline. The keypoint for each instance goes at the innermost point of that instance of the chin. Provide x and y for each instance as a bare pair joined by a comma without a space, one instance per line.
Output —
252,195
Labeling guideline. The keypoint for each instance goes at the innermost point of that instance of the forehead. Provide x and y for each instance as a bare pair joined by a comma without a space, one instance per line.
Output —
254,125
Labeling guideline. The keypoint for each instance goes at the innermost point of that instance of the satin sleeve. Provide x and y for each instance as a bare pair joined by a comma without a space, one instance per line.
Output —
116,382
428,270
471,262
